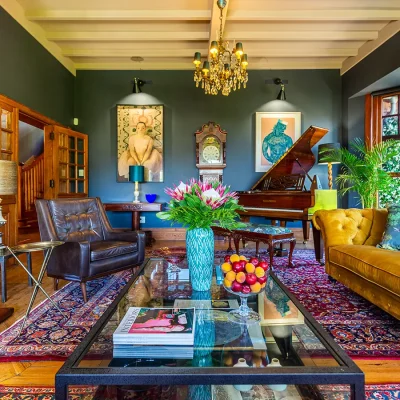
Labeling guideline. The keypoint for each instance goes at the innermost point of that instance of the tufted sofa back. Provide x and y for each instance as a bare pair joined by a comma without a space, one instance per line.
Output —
73,220
351,226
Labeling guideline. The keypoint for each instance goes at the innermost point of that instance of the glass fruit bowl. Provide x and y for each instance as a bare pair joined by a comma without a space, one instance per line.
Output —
244,314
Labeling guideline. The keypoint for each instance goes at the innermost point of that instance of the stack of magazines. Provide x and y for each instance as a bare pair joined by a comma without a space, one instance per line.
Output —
156,333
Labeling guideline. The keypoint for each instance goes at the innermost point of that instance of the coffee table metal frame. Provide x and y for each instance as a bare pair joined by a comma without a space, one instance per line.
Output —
347,374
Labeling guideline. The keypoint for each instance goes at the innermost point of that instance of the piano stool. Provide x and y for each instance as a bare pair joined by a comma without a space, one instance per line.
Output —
268,234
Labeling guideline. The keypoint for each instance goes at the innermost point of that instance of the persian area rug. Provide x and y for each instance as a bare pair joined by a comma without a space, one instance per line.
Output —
362,329
47,335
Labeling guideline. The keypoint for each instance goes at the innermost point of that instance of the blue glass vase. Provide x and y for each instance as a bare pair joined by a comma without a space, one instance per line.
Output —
200,256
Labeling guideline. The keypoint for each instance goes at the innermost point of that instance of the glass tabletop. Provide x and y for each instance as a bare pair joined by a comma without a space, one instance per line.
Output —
283,333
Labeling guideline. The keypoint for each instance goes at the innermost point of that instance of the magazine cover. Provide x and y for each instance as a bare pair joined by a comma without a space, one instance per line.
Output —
142,324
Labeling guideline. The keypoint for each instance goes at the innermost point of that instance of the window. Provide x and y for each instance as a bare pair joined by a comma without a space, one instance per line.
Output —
382,117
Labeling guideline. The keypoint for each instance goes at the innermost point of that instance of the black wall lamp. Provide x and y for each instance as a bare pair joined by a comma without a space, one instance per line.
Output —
282,83
137,85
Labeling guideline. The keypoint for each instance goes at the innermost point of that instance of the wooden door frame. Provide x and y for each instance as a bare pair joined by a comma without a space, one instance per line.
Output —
32,117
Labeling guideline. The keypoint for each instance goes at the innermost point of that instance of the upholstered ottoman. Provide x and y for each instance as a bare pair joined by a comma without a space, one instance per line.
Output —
268,234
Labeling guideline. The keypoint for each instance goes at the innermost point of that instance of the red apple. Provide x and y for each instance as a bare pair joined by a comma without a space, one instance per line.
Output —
246,289
264,265
237,266
251,279
227,258
262,279
243,262
236,286
254,261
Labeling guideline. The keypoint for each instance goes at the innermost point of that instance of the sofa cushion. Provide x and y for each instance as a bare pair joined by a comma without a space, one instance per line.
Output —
379,266
391,238
106,249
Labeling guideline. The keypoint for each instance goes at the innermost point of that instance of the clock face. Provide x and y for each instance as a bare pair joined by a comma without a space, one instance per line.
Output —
211,154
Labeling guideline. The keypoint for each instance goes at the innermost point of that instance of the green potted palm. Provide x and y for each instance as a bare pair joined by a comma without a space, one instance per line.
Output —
363,170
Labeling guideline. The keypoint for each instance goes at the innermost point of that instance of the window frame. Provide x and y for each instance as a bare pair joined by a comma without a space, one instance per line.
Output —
374,118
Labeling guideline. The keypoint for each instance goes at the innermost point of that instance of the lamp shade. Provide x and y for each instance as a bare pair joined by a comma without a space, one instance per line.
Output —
136,173
325,149
8,177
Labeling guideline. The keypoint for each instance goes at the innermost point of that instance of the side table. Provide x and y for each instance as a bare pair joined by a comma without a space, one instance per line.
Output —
4,256
135,209
47,247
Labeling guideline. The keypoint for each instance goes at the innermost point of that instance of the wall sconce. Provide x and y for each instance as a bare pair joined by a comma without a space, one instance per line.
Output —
138,83
282,83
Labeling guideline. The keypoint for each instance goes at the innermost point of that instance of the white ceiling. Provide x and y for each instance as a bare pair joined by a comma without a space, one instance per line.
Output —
276,34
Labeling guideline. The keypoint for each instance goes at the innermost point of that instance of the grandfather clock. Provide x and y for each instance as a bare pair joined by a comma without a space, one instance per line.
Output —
210,152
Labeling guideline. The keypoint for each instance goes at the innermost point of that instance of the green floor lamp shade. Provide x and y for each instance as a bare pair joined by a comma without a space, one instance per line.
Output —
136,174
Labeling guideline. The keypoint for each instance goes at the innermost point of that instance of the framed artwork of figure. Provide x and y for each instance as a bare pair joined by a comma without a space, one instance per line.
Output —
275,134
140,135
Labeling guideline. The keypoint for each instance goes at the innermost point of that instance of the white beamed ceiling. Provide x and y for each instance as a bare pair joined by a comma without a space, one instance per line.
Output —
276,34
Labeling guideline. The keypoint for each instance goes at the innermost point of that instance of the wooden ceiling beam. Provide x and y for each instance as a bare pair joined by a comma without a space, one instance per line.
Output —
300,35
314,15
125,36
118,15
256,52
179,65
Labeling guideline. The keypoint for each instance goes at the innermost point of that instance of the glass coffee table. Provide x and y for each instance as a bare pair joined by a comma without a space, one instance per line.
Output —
306,362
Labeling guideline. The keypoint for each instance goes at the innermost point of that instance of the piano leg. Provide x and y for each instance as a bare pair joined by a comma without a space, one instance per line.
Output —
271,253
306,231
236,242
257,248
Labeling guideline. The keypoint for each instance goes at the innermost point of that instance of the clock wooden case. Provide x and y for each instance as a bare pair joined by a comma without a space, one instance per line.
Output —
210,152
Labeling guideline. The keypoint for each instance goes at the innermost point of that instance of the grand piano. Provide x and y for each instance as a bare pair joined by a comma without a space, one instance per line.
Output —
281,195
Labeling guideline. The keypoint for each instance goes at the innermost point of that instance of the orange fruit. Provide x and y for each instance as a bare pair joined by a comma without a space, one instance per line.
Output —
256,287
259,272
250,268
234,257
231,276
243,258
263,285
227,282
240,277
226,267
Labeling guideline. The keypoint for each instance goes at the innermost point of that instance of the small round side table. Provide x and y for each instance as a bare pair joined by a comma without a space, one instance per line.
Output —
47,247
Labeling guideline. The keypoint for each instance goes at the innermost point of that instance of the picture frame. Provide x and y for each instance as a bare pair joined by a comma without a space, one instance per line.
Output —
140,141
275,134
275,308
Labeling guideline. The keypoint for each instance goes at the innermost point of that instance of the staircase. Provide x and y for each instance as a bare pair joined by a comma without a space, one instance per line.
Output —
31,188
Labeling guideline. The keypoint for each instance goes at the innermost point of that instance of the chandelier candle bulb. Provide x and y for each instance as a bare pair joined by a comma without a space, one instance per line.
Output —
197,59
239,49
245,63
214,48
206,67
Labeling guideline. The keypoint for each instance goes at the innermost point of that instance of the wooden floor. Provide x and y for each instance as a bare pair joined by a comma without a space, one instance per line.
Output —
41,373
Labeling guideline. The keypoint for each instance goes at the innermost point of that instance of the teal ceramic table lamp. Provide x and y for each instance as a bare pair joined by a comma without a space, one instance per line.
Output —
136,174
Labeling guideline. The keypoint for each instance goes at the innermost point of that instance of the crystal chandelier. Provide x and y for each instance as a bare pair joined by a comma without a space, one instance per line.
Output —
226,70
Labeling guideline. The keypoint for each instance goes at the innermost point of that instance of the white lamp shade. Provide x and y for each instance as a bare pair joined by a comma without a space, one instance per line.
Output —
8,177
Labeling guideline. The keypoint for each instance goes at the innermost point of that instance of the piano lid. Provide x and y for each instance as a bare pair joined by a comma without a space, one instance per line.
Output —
300,151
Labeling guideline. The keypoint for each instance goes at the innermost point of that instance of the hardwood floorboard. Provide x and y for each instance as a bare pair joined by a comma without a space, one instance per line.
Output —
42,373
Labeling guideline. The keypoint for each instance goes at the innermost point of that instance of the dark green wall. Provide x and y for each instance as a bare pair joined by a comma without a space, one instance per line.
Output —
30,75
316,94
379,64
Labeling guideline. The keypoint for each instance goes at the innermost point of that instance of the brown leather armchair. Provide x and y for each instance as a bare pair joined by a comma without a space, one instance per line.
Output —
92,248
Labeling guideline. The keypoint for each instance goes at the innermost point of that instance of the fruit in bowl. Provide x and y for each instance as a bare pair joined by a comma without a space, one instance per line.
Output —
242,275
244,278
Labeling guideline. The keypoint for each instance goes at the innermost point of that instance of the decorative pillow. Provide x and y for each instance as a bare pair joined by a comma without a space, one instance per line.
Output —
391,237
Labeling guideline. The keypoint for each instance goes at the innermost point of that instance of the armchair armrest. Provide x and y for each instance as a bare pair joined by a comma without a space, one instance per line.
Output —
71,258
128,236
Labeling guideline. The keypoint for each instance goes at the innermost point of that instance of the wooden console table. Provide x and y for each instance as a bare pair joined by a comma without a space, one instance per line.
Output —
135,209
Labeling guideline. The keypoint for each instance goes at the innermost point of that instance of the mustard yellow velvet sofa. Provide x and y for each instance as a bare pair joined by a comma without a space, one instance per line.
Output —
352,258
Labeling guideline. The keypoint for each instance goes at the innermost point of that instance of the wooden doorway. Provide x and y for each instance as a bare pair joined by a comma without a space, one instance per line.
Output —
64,171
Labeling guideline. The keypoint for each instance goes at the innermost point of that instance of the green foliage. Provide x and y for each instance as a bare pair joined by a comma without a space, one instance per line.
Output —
362,169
